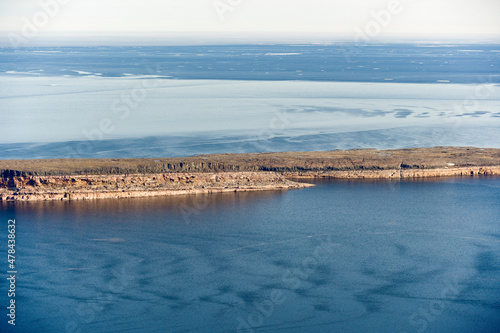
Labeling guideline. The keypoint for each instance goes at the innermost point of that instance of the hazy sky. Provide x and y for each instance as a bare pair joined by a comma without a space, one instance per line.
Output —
335,16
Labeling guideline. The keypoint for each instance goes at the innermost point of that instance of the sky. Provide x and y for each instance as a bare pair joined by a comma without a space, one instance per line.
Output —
31,20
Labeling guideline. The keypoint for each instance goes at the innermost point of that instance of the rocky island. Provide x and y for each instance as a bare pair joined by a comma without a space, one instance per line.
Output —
71,179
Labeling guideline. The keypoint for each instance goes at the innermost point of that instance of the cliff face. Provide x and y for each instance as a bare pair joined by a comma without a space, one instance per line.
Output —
115,178
338,160
28,188
399,174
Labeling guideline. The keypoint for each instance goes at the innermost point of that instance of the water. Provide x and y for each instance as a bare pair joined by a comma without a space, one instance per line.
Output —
402,63
179,101
346,256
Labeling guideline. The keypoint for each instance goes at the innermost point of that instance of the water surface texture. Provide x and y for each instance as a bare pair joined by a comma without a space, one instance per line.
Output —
402,63
95,102
345,256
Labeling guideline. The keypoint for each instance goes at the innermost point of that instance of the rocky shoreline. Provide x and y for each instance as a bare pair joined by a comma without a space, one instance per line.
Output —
82,187
73,179
492,170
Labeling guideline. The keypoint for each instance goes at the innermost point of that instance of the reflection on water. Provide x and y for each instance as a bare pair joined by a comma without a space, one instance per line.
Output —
85,211
348,256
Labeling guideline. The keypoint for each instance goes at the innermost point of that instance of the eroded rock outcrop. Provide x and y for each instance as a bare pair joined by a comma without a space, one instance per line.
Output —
116,178
399,173
29,188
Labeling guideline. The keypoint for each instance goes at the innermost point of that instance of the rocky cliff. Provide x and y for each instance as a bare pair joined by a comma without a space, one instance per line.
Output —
399,173
28,188
115,178
337,160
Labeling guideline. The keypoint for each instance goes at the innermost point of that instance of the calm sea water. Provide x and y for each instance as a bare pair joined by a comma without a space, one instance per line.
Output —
344,256
402,63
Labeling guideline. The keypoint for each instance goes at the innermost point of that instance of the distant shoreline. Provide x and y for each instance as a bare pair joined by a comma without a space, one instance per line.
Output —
80,179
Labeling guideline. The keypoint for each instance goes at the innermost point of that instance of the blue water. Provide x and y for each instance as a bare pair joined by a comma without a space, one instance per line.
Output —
486,136
403,63
344,256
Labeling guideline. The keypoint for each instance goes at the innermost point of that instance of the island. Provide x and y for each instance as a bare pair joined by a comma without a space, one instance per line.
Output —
73,179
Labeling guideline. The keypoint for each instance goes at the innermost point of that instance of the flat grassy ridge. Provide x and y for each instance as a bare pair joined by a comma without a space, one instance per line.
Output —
337,160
